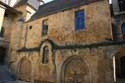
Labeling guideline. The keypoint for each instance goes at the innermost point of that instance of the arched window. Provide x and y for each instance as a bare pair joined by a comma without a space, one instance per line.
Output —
123,30
45,55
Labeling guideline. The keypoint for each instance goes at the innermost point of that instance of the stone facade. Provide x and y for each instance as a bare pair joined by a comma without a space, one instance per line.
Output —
84,56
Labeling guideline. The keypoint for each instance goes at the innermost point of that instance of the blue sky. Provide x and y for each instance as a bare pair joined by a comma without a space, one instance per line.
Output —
47,1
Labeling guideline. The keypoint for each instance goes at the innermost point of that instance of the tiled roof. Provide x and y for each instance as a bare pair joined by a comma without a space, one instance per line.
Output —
57,6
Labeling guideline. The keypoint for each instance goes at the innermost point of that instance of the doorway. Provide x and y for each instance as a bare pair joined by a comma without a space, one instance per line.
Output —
119,67
2,56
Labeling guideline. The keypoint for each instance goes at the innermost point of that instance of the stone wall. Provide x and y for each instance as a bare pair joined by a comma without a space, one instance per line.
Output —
7,25
66,64
61,27
92,65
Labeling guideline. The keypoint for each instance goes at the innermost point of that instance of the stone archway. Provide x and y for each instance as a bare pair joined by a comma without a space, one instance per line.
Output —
74,70
25,69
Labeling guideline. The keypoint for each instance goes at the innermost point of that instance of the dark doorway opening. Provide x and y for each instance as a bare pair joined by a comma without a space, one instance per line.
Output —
2,55
120,69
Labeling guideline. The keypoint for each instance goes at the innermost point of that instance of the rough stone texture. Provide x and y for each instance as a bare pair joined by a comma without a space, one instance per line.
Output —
85,65
7,25
62,29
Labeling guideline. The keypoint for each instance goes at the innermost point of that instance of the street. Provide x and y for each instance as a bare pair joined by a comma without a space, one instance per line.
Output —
6,76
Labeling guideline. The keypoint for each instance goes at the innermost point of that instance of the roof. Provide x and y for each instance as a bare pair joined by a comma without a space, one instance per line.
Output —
20,3
26,2
10,9
57,6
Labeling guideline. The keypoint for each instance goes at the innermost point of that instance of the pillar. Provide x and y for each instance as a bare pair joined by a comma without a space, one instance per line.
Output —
2,12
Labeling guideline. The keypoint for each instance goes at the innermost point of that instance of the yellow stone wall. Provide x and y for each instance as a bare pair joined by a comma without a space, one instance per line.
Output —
61,30
61,27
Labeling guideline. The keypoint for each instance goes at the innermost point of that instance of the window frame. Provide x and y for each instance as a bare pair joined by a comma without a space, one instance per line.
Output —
45,55
84,20
45,27
123,29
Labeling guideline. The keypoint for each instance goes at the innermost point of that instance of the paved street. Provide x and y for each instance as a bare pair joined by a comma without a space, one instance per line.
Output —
6,76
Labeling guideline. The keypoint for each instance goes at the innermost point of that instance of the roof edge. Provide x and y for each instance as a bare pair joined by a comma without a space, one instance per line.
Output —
10,8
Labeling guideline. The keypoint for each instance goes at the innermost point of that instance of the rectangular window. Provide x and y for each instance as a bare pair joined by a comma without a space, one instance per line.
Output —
121,5
79,20
44,28
123,30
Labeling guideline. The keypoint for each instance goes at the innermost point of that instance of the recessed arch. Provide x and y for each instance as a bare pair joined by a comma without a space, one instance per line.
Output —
74,70
46,52
24,69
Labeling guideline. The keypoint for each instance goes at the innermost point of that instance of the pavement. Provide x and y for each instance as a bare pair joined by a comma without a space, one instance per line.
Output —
8,77
5,75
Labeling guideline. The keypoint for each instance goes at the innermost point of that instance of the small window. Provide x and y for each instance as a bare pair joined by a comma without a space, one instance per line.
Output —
123,30
20,19
45,55
30,27
121,5
114,32
79,20
44,27
6,15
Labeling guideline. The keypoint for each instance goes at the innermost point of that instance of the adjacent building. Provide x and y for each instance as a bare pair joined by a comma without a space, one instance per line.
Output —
7,17
118,28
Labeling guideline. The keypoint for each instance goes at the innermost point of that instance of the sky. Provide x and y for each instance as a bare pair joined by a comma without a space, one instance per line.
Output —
47,1
110,1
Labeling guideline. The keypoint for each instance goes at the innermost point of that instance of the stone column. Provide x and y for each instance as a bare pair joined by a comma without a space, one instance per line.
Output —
2,12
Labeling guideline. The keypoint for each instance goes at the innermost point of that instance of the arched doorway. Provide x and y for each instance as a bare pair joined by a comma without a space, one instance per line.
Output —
25,68
74,70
